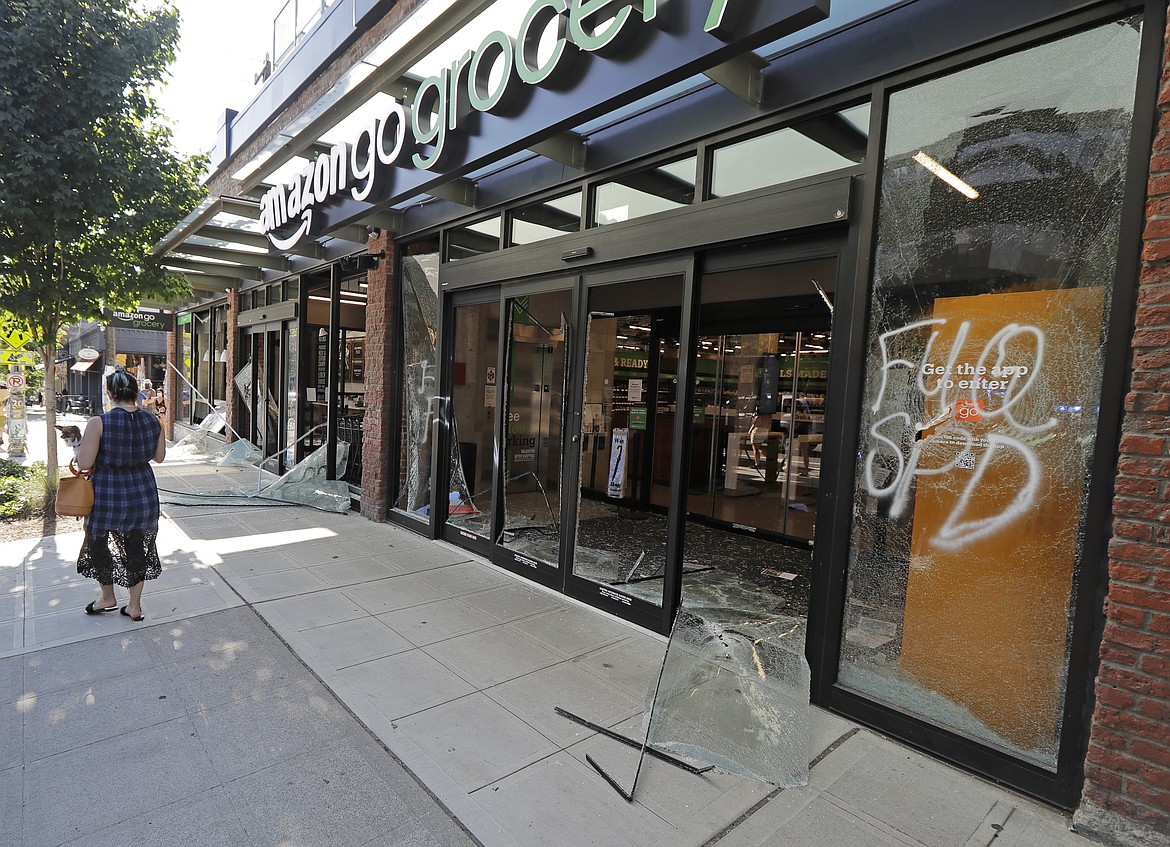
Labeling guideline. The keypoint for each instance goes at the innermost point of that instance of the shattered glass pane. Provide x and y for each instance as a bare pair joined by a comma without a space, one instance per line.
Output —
534,401
996,252
420,383
476,345
734,692
236,472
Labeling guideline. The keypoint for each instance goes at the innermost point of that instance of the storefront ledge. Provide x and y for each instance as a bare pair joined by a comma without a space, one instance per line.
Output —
1100,824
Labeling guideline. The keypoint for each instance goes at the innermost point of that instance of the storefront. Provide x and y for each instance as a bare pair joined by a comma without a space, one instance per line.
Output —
839,330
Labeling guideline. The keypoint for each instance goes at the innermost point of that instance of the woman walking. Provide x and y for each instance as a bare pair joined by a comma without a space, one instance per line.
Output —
121,531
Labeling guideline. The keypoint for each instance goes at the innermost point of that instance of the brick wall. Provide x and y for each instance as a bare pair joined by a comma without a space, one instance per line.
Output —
1126,796
380,322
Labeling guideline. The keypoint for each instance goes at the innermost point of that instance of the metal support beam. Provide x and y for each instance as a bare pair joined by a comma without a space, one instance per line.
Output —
211,269
568,148
238,257
385,221
245,207
461,191
404,88
743,76
308,249
350,232
202,282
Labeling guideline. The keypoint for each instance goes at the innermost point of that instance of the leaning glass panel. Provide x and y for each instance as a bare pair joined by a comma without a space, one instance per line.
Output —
645,192
996,252
808,148
546,219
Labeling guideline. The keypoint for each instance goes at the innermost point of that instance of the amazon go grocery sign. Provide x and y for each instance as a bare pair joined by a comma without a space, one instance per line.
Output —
415,136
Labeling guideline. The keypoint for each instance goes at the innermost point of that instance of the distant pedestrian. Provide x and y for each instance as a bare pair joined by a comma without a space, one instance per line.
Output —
147,397
121,531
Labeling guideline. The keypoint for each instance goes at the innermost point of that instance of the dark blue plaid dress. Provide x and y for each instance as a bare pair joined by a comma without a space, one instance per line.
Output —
121,531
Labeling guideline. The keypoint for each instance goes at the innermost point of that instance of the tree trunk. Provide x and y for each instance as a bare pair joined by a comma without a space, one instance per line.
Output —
49,359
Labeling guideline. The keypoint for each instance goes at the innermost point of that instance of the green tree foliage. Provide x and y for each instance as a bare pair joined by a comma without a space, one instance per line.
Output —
89,178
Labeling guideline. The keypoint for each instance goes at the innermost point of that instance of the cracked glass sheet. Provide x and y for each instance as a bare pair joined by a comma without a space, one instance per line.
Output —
735,693
997,240
229,476
420,382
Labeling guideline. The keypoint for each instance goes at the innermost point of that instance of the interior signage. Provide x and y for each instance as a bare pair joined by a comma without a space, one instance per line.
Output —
411,143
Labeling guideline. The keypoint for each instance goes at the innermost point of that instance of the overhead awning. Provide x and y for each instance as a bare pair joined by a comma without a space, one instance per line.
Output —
82,366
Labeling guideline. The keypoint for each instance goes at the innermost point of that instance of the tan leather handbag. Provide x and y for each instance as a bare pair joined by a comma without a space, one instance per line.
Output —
74,494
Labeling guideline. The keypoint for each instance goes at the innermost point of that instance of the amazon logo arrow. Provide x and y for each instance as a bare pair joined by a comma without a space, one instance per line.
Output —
301,231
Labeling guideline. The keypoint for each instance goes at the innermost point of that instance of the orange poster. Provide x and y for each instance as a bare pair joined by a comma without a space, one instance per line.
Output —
1011,383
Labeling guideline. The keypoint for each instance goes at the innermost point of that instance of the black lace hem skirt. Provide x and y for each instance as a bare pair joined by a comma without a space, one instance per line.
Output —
122,558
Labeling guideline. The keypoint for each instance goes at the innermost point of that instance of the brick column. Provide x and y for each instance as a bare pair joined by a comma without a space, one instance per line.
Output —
1126,797
380,324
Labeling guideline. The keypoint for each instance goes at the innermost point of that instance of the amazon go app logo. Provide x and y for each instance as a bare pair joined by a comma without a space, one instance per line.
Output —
482,80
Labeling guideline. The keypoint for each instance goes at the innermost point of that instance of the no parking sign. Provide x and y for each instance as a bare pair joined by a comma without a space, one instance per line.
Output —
15,382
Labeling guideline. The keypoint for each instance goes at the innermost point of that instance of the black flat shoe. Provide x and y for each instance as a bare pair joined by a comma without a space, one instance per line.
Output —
91,609
127,614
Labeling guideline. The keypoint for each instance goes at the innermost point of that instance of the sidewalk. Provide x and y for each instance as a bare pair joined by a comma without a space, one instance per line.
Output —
201,722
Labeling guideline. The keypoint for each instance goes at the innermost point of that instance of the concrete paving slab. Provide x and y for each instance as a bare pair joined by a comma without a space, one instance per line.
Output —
223,676
405,683
431,830
11,679
11,637
691,802
279,724
586,809
57,721
321,608
396,592
213,526
322,552
572,631
535,696
11,734
273,586
327,796
434,555
202,820
823,823
431,622
465,578
512,602
492,656
352,571
165,763
452,734
236,565
88,661
386,539
11,803
186,640
1031,825
922,798
342,645
11,607
633,663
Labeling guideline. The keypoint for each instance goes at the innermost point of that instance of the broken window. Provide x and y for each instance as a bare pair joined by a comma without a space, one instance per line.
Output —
996,252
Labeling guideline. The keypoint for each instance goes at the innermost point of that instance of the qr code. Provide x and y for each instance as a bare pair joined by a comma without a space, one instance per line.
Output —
965,459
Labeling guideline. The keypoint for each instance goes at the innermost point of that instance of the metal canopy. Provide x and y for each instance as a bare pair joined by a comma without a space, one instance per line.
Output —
545,126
